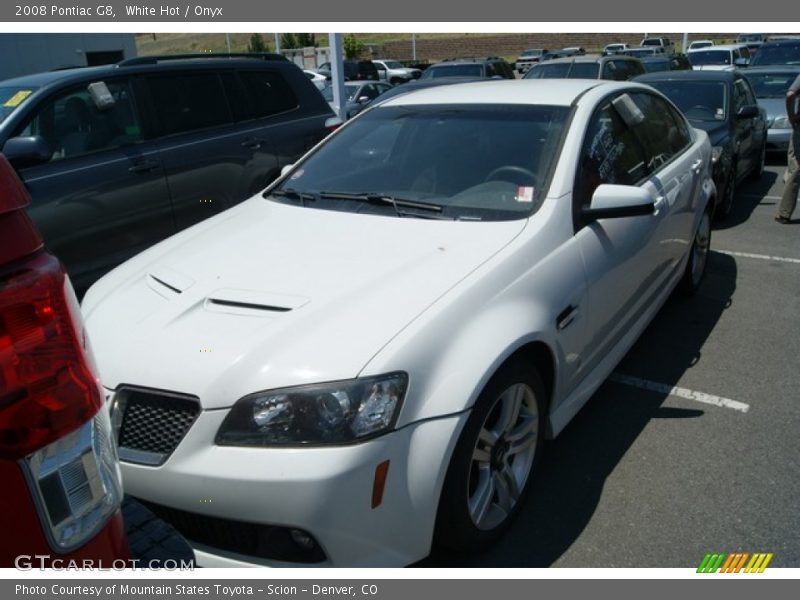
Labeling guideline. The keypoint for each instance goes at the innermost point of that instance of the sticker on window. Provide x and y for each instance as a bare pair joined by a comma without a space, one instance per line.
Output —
524,193
17,98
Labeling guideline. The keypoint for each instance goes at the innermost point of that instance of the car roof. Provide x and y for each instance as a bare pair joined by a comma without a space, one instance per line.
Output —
690,76
587,58
552,92
138,65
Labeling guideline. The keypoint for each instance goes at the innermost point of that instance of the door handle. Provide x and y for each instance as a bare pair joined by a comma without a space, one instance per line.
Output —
696,165
252,143
144,166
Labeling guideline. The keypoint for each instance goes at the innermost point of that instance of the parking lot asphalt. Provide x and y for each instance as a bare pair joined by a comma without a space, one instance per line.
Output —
693,445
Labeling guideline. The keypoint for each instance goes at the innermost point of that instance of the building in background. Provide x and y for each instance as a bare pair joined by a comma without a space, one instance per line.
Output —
26,53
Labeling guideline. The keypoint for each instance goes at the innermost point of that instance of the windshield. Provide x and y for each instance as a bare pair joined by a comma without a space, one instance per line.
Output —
654,65
778,54
697,100
749,37
476,162
349,90
11,98
393,64
710,57
771,85
531,52
452,71
652,42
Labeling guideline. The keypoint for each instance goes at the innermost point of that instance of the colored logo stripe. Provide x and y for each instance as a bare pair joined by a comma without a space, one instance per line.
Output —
734,562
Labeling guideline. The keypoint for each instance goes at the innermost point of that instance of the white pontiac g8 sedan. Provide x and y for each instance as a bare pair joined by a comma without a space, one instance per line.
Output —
366,358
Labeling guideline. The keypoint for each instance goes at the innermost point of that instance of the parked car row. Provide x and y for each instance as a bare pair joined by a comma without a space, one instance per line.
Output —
326,329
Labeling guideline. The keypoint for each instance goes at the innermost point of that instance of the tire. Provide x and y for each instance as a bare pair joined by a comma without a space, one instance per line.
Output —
758,171
698,258
153,542
726,205
494,460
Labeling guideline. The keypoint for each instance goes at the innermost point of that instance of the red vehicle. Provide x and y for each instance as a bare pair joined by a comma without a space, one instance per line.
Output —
58,464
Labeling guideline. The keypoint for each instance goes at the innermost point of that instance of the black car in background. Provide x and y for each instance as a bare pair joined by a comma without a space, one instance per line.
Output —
614,67
354,70
119,157
723,104
488,68
777,52
666,62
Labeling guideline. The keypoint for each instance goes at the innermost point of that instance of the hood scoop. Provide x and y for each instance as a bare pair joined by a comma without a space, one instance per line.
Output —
251,302
167,282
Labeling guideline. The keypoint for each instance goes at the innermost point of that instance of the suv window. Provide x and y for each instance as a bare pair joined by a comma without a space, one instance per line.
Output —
269,92
189,101
73,126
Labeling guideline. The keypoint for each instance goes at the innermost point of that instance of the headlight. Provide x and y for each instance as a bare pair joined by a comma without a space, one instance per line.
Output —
340,412
716,152
781,123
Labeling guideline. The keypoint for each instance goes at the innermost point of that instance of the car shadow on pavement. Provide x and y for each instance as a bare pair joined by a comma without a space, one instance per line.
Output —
575,466
749,195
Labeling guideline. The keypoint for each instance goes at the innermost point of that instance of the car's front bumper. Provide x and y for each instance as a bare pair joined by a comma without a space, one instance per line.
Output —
324,491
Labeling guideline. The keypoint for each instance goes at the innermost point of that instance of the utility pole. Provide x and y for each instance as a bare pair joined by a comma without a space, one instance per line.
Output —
337,74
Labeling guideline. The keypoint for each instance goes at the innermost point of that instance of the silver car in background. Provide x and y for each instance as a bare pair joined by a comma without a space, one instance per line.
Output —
770,85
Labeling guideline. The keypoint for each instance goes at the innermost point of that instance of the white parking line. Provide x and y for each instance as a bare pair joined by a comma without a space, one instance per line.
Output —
760,256
680,392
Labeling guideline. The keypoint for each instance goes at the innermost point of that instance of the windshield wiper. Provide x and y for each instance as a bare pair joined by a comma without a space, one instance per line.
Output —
433,211
293,195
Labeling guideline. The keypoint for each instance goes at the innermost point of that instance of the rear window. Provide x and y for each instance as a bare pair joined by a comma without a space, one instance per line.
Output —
771,85
710,57
549,71
11,98
269,92
453,71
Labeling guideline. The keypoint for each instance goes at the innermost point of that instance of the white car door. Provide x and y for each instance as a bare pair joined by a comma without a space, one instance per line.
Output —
676,164
624,260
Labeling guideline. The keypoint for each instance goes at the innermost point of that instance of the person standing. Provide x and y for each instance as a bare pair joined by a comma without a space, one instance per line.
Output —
789,198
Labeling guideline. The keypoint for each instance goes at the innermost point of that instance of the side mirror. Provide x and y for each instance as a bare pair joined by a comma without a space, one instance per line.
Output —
27,151
333,123
363,99
741,62
286,169
747,112
611,201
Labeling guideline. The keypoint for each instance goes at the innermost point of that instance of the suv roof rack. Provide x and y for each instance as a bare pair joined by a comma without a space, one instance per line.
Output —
470,58
152,60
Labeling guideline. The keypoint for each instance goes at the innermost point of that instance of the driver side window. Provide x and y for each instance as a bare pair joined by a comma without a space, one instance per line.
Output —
72,125
612,153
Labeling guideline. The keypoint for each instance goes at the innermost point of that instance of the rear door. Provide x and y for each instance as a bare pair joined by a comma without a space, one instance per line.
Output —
102,196
214,154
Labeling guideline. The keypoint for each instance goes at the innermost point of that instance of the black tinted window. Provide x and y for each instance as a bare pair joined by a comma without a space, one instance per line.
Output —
189,101
611,153
72,125
660,133
269,92
551,71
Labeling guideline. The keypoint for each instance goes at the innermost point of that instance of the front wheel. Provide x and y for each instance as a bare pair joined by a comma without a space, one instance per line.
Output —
698,258
725,207
492,466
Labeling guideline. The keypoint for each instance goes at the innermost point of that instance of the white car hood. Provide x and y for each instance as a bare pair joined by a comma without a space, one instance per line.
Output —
271,295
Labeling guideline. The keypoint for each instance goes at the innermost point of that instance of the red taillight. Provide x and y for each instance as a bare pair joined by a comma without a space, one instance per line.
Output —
18,236
48,385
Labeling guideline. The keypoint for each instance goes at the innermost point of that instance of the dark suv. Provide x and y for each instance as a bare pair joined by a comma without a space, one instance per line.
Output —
490,67
615,67
119,157
354,70
778,52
